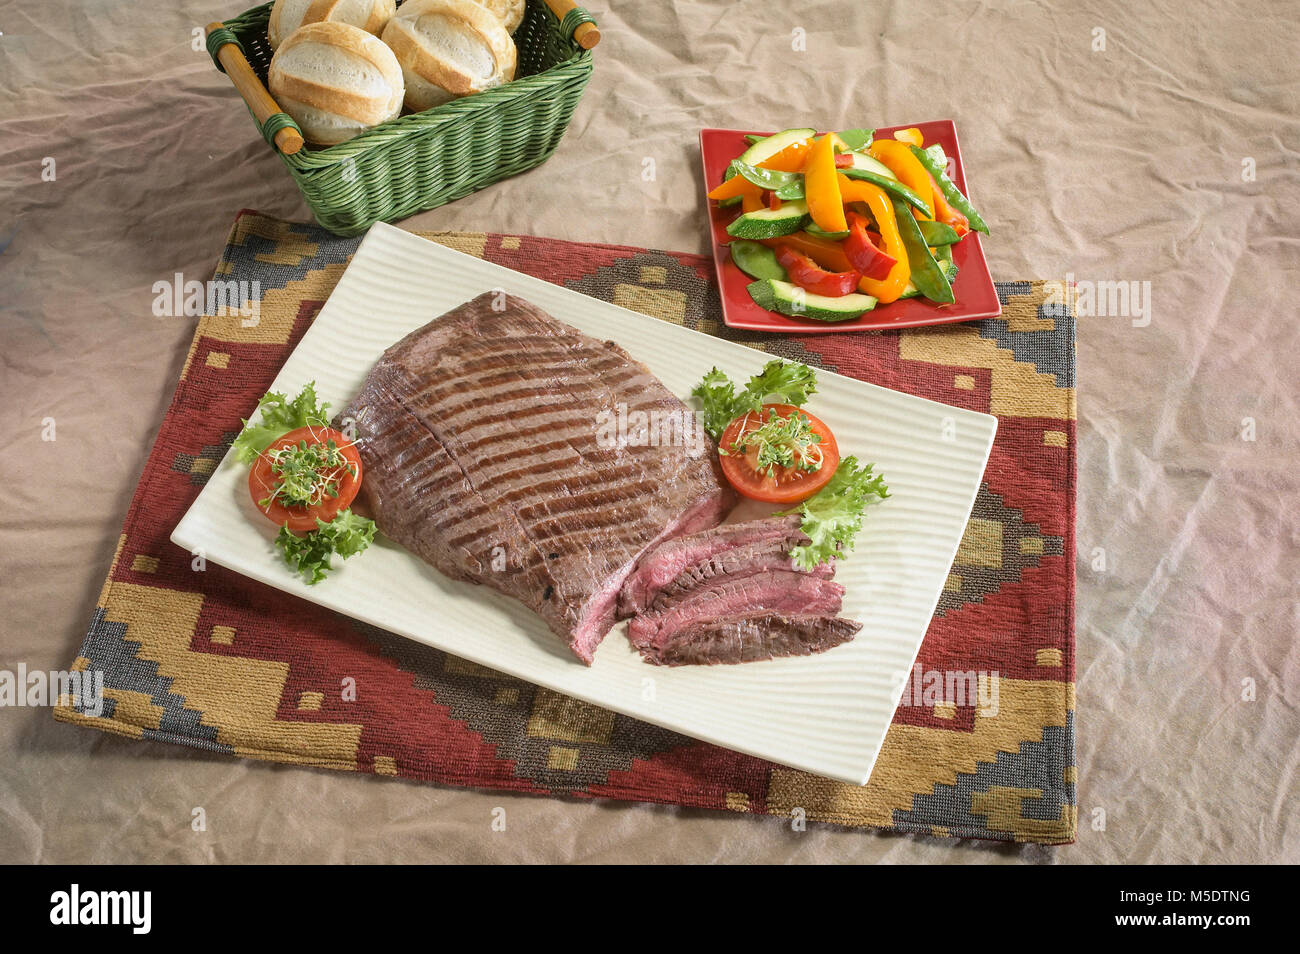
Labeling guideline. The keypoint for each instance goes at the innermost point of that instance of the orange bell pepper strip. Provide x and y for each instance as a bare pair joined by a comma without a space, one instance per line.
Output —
822,188
912,136
889,288
789,159
733,187
945,213
897,156
827,253
752,201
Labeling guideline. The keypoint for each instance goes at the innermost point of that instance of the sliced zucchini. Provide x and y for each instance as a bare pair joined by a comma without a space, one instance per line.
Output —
864,163
789,299
770,223
943,255
765,149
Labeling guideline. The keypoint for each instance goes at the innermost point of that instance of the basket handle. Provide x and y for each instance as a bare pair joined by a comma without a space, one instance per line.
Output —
287,138
585,34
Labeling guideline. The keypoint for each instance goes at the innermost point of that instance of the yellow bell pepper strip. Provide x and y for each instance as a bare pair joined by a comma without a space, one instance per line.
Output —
822,188
882,210
789,159
752,201
898,157
910,136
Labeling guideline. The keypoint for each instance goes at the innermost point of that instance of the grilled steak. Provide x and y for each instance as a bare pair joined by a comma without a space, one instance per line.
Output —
688,560
748,638
783,592
732,595
509,449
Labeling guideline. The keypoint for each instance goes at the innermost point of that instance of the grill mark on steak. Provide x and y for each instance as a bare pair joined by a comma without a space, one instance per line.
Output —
561,522
452,413
452,468
750,638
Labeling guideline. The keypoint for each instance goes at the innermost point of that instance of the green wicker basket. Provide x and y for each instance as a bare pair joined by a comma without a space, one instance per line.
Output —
423,160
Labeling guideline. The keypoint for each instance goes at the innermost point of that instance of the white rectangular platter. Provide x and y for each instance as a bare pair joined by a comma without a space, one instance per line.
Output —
825,714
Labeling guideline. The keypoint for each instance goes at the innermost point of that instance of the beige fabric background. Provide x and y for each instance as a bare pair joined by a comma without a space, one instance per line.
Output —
1124,163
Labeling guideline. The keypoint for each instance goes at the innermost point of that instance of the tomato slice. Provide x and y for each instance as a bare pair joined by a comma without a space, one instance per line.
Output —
344,478
784,485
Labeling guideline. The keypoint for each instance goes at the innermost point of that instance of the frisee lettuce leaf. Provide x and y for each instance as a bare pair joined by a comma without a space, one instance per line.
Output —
279,417
785,382
832,517
347,535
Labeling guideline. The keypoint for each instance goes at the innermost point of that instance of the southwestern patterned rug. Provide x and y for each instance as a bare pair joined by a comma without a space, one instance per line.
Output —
216,661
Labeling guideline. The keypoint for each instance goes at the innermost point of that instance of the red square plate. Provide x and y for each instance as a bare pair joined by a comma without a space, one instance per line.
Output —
976,296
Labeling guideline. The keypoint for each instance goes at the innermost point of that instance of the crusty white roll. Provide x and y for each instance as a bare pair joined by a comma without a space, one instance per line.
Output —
287,15
448,49
511,12
336,81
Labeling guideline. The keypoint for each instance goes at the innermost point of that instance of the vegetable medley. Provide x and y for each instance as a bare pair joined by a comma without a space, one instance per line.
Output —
829,226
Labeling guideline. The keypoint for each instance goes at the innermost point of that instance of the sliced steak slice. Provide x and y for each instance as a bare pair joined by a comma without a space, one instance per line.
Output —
740,561
749,638
509,449
707,554
783,592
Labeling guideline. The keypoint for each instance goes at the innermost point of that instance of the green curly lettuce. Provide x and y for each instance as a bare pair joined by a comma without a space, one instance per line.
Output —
832,517
784,382
279,416
347,535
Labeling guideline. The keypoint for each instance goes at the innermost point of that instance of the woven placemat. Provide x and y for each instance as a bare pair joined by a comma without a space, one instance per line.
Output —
210,659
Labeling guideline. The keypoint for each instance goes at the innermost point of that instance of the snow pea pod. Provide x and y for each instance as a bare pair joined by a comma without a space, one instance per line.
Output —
927,275
938,233
856,138
756,261
891,186
786,185
949,189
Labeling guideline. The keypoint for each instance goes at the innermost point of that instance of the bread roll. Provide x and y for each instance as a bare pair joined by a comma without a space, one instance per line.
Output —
287,15
449,48
511,12
336,81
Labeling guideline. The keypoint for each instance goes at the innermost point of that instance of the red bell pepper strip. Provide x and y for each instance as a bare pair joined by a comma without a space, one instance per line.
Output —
812,278
827,253
843,160
863,254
